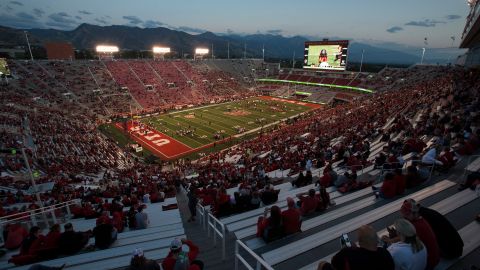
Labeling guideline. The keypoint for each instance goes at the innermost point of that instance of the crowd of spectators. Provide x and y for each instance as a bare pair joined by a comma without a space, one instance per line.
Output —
69,147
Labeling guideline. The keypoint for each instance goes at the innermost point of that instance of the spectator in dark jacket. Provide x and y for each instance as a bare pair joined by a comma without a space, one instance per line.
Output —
105,234
367,256
449,241
71,241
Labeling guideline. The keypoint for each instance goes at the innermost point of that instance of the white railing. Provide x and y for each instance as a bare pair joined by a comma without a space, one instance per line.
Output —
202,213
39,211
218,228
31,215
238,257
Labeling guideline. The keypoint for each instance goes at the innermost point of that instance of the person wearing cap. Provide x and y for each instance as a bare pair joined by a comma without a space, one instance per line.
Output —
182,255
408,253
410,211
291,218
139,262
368,255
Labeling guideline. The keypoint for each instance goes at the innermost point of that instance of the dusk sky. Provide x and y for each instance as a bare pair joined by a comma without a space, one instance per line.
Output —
404,22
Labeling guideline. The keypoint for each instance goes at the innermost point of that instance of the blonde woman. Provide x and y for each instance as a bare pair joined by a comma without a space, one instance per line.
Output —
409,253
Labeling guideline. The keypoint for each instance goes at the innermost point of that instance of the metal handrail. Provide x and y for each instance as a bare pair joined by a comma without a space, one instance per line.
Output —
35,212
212,223
202,212
42,209
238,257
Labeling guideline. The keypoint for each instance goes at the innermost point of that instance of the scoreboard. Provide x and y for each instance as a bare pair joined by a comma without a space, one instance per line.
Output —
326,55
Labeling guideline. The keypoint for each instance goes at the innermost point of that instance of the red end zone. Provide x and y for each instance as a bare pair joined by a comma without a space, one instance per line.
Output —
157,142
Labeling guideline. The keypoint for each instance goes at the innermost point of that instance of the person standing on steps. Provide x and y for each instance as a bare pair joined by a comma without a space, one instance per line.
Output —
192,203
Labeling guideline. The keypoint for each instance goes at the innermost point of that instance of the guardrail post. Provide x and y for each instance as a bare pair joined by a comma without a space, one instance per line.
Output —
69,213
208,225
34,220
259,266
223,242
236,255
54,218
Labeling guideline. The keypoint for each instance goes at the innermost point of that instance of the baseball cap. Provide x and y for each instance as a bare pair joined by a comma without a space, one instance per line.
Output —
409,206
137,252
176,244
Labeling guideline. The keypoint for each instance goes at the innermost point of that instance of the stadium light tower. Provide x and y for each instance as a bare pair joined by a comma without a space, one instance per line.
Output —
160,52
263,52
423,54
106,50
200,52
361,61
228,50
28,43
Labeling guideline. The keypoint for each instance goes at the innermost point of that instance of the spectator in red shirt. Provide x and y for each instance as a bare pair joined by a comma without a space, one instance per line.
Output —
180,258
15,236
270,228
308,203
291,218
410,211
400,181
388,189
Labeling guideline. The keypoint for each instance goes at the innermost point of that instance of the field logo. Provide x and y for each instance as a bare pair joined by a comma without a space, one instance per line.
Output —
151,136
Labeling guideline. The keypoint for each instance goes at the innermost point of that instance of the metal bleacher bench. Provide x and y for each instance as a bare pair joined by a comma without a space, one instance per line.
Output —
282,197
112,257
321,219
443,207
288,251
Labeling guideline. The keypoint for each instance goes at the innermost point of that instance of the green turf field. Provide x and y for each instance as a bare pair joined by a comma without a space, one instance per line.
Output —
197,127
4,67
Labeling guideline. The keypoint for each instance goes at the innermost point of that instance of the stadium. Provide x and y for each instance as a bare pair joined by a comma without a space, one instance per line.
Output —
177,160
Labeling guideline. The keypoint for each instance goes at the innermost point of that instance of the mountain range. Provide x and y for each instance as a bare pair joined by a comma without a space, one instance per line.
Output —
87,36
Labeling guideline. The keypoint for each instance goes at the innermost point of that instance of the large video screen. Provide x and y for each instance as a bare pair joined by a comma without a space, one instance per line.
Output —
326,55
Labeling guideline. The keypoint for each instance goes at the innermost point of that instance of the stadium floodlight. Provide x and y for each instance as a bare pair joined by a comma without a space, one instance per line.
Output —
107,49
161,50
201,51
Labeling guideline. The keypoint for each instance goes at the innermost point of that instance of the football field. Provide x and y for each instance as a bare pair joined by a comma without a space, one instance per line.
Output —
175,134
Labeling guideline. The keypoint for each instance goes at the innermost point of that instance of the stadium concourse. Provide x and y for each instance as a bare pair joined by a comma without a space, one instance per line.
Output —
421,124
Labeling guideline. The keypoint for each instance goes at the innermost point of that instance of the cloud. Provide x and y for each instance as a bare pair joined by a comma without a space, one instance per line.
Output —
8,8
21,20
133,20
63,14
152,24
16,3
424,23
84,12
102,21
275,32
190,29
38,12
61,20
453,17
394,29
78,17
